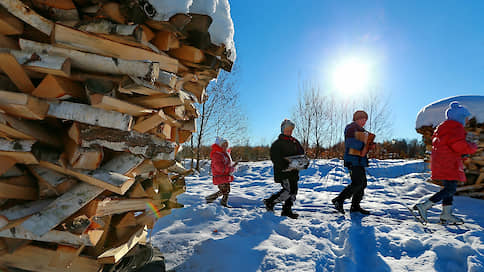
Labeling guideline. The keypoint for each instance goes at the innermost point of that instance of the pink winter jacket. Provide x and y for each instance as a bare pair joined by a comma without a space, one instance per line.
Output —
222,168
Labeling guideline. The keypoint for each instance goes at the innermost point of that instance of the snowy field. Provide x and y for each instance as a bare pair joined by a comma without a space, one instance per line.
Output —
208,237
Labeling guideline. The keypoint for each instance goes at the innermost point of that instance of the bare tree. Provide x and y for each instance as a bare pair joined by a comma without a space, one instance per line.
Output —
376,105
221,114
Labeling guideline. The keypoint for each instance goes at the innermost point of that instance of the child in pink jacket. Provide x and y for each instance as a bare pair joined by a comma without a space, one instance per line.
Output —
222,170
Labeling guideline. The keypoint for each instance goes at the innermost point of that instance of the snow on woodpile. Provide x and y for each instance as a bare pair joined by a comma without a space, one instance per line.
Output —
222,28
433,114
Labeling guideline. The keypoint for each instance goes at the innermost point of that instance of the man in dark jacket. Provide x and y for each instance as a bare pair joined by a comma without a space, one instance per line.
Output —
356,165
285,146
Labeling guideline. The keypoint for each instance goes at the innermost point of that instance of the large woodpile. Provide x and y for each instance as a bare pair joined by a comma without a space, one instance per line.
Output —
95,100
474,164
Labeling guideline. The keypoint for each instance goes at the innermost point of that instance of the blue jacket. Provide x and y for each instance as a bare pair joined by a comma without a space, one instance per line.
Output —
352,142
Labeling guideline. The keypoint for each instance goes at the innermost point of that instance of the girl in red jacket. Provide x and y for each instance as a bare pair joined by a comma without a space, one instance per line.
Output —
448,146
222,169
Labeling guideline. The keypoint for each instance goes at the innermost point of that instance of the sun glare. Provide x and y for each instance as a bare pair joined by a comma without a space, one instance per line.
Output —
351,76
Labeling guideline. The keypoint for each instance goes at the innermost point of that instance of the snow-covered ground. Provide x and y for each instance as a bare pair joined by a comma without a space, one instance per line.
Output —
208,237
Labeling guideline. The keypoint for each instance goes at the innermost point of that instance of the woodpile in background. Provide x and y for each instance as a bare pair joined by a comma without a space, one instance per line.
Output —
95,100
474,164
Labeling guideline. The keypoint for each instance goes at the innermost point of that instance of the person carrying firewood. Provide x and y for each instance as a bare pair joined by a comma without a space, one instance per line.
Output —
222,170
449,147
356,164
283,154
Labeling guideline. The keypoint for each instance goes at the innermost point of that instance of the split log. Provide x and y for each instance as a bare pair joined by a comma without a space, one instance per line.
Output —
42,63
23,210
190,125
165,40
76,39
59,88
61,208
145,170
119,206
137,191
89,158
188,53
131,85
19,150
90,115
11,188
178,168
65,255
5,164
146,34
158,101
115,254
163,131
58,10
177,113
107,27
28,15
107,180
167,79
9,24
114,104
153,121
39,260
26,130
125,220
123,163
91,238
23,105
13,171
7,42
196,89
180,136
112,11
10,66
96,63
51,183
148,146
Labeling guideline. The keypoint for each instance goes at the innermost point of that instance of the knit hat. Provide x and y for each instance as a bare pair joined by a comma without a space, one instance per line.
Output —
219,141
360,115
286,123
457,112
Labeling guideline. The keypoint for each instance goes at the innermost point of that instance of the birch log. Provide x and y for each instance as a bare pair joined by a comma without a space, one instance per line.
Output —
96,63
28,15
90,115
60,209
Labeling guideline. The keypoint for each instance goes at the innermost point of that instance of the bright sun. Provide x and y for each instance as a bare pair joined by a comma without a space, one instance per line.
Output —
351,76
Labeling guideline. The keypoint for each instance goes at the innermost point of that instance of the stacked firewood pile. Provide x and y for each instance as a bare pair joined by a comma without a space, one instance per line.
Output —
95,100
474,164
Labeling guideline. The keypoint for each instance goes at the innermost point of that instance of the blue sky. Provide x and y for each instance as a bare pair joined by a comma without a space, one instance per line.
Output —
421,51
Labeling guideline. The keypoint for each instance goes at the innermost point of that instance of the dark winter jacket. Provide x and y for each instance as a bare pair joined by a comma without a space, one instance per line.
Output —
448,145
283,147
352,142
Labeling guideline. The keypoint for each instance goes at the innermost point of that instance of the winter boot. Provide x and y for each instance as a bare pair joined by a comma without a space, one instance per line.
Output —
287,211
446,217
338,205
211,198
269,204
358,208
422,209
225,201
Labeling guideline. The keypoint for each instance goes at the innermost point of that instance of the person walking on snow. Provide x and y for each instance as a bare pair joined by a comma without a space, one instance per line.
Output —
222,170
284,146
448,147
356,165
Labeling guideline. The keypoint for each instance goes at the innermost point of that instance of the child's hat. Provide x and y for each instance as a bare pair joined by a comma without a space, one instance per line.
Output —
457,112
